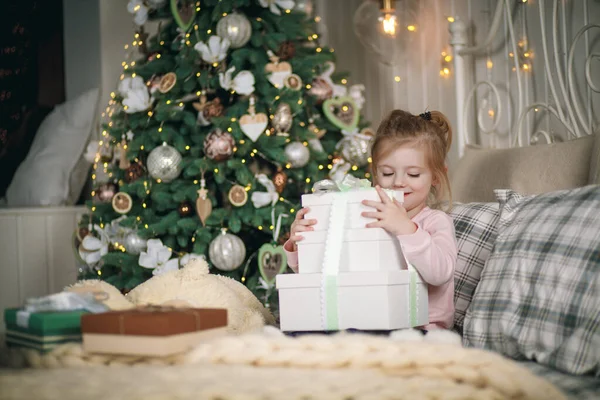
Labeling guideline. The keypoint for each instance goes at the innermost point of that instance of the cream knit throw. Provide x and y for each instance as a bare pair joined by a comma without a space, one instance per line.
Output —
267,366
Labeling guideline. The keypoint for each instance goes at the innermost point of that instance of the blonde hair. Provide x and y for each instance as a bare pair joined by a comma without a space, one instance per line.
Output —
430,130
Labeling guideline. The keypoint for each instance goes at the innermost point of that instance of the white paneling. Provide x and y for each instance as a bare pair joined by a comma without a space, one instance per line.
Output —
37,257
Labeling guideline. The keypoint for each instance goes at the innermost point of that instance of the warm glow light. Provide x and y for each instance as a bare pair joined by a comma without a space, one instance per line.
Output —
411,28
397,78
388,24
450,19
490,64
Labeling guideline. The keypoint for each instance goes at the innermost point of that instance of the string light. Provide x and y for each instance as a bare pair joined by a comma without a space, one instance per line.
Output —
450,19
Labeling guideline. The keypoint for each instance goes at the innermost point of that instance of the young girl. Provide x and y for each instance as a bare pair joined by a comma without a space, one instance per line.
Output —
408,154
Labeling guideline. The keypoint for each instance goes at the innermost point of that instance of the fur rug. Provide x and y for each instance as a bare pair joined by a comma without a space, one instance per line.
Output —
269,365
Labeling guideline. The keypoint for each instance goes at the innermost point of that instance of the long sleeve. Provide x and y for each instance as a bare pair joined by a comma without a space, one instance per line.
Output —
432,248
292,255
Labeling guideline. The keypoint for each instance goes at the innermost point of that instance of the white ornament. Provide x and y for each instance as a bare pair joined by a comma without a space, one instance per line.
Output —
297,154
275,5
316,144
157,257
134,244
243,83
139,11
135,94
164,163
92,249
261,199
227,251
236,28
215,51
355,149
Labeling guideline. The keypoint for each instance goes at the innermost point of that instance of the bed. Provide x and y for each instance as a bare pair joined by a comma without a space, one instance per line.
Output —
539,153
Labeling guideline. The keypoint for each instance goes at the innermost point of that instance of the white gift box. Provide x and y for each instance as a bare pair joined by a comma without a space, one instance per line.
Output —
377,300
363,249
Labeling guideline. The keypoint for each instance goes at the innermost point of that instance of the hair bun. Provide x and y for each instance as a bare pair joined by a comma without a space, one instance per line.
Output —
443,124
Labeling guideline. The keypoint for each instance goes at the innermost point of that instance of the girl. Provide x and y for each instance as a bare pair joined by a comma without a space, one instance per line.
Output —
408,154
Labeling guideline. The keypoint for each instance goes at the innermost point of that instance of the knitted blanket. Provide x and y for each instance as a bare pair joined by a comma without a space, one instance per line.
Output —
262,366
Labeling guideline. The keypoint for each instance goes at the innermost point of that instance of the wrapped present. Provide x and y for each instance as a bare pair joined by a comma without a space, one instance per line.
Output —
375,300
362,249
350,276
42,330
151,331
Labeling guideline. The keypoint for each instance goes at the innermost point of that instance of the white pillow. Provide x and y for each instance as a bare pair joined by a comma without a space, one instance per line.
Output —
51,170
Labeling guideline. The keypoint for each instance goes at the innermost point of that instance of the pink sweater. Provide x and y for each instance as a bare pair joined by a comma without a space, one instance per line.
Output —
432,250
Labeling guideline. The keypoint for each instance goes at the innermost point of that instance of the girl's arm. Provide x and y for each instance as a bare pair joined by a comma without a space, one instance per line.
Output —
432,248
292,255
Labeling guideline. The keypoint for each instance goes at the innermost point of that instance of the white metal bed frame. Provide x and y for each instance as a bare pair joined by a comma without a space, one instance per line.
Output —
564,102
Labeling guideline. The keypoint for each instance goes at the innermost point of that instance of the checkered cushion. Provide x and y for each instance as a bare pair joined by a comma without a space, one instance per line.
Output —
539,293
476,231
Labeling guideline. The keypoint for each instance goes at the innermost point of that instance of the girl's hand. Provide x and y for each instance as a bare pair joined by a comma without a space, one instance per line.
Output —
301,225
391,215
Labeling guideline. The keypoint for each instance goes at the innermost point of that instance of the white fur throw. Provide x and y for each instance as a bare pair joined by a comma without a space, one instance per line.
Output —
269,365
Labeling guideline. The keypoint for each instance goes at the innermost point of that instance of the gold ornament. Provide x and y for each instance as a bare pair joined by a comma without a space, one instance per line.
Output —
123,160
282,119
237,195
320,89
293,82
208,109
203,203
122,203
280,180
167,82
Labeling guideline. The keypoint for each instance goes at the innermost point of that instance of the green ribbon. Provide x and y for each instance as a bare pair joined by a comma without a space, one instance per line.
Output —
412,296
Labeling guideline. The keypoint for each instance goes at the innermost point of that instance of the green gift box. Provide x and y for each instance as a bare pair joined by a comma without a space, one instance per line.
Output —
43,330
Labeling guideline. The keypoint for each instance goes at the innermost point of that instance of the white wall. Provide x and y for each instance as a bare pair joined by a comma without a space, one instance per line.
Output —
81,44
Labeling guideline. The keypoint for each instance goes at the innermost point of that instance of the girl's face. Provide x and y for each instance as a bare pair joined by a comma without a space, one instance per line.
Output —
406,169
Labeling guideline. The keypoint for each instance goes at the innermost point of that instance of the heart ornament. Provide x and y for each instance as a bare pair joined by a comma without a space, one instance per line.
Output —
272,261
279,72
184,13
342,112
253,124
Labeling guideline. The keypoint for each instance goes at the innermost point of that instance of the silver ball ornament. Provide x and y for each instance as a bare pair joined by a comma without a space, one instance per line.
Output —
164,163
297,154
236,28
355,150
134,244
227,251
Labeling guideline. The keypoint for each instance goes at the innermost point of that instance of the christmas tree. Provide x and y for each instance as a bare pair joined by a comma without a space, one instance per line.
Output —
230,112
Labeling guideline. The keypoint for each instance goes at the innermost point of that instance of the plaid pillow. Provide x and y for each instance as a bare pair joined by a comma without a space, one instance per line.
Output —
476,231
539,294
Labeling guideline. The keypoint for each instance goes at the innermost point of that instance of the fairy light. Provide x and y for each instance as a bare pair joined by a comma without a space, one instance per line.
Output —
260,228
229,129
321,167
307,180
489,64
329,166
397,78
308,86
288,11
450,19
344,81
209,31
354,168
187,147
288,165
242,141
411,28
319,50
292,210
216,170
198,74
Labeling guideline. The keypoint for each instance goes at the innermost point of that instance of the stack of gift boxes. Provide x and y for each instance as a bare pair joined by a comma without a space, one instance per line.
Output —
145,331
350,276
